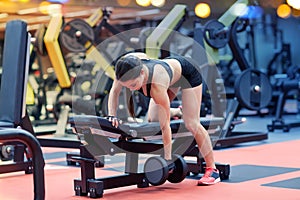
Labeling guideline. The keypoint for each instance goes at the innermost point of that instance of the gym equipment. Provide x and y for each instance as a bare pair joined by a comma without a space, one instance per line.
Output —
63,99
226,19
15,67
159,35
102,58
216,34
157,171
15,131
77,35
39,81
37,163
46,41
54,51
208,39
63,33
203,53
81,36
286,86
51,40
180,172
258,94
282,59
7,152
252,88
39,40
101,138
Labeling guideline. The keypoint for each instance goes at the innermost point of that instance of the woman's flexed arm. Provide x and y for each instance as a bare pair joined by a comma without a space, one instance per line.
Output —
113,101
161,98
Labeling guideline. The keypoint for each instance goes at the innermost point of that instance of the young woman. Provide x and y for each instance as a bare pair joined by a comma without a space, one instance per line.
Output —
161,80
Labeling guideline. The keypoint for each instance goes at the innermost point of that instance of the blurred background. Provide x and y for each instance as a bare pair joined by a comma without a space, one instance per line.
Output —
269,41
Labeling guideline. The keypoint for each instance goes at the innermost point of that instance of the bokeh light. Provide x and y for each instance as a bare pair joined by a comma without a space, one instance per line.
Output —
123,2
158,3
294,3
284,11
202,10
43,7
143,3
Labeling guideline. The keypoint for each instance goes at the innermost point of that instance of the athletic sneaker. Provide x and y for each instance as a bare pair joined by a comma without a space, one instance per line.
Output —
210,177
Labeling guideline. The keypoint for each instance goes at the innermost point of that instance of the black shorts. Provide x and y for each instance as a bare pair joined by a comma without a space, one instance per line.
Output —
190,75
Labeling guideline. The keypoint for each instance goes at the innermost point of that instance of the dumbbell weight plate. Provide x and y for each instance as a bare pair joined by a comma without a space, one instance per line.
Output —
216,34
77,36
181,170
7,152
253,89
156,170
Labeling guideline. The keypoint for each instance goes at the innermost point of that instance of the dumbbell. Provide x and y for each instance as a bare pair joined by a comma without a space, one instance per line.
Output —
157,172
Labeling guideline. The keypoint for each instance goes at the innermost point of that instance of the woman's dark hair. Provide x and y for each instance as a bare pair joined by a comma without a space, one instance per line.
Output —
128,68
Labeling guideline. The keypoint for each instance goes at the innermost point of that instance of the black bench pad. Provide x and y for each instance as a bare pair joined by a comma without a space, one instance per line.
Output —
137,130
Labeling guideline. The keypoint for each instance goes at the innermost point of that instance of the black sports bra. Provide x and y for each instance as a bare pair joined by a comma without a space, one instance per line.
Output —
150,64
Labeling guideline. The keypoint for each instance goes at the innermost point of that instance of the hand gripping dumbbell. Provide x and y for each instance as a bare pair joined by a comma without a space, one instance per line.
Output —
157,170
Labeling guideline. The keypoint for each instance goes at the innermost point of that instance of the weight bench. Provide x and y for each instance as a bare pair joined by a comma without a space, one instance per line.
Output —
100,138
16,133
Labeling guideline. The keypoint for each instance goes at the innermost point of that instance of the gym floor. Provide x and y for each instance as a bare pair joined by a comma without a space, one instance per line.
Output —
266,169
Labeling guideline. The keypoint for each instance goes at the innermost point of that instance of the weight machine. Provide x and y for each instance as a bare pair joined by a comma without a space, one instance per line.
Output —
49,41
82,36
283,56
286,86
47,44
252,90
252,87
16,135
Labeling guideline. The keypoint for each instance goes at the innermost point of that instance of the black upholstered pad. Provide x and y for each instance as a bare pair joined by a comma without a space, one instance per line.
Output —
138,130
14,71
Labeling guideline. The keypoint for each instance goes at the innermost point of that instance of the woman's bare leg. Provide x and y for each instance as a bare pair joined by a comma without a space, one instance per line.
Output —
152,111
153,108
191,104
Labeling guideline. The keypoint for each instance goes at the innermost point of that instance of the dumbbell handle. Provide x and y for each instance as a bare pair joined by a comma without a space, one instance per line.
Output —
290,84
221,31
